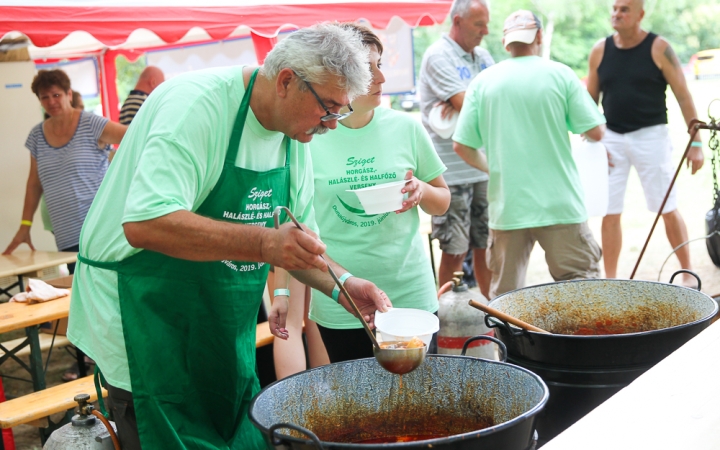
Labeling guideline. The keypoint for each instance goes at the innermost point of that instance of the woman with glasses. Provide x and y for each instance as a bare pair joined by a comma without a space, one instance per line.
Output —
371,145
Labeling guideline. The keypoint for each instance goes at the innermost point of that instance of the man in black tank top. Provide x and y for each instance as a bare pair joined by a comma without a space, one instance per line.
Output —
631,69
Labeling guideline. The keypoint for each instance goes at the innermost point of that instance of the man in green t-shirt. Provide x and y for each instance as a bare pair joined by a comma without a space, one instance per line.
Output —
174,252
521,110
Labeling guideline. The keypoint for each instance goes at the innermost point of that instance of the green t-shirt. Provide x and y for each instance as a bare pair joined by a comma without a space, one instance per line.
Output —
521,110
386,249
169,160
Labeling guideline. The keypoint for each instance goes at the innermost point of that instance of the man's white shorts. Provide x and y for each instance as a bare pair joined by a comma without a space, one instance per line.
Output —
649,150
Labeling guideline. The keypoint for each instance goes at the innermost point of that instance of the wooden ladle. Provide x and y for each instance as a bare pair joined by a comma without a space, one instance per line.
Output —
502,316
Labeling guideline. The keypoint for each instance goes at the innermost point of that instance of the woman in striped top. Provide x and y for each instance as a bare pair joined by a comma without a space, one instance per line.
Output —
66,163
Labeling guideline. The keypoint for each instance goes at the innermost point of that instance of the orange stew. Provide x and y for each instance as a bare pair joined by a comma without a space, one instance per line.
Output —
605,327
395,439
415,342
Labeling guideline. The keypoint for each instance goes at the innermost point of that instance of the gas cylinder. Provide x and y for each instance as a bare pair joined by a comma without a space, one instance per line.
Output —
460,321
84,432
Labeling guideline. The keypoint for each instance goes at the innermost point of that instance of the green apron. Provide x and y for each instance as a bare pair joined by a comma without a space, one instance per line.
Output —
190,326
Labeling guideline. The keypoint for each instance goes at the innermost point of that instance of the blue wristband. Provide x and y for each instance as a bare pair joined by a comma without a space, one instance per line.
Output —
696,144
278,292
336,289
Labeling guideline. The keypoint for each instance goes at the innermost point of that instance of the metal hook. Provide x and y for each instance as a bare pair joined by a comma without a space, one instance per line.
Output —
713,120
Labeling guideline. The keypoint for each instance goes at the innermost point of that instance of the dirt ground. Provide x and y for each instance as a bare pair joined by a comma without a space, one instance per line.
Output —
694,200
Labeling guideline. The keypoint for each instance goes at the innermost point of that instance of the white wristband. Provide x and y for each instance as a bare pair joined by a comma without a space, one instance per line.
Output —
279,292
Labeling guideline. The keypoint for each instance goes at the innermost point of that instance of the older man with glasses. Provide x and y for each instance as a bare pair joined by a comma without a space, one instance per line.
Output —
176,248
328,115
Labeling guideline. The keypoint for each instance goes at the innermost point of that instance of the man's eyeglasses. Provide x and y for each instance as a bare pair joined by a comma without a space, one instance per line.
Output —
329,116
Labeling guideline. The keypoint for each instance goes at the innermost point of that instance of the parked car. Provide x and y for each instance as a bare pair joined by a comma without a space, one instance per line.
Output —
410,102
707,63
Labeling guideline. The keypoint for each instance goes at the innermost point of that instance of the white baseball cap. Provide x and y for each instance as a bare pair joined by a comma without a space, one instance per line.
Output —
521,26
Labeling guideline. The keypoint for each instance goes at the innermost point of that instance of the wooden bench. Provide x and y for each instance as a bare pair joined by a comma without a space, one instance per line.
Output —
45,341
263,336
34,409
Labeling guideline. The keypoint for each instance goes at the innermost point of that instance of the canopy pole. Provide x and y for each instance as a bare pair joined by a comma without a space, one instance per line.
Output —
262,46
109,74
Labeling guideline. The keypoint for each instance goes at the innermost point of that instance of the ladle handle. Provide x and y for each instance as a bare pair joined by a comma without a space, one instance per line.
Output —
276,217
502,316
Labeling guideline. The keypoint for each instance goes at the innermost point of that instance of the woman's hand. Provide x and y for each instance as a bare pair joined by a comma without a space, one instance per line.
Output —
368,298
414,189
22,236
278,315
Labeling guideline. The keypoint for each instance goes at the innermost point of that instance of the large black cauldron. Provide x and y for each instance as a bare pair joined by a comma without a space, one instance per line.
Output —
584,370
480,404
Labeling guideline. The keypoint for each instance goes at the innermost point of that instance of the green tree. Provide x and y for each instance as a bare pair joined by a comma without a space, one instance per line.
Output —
424,37
127,75
572,27
689,25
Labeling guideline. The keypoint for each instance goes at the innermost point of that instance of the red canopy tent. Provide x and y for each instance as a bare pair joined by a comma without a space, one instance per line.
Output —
108,27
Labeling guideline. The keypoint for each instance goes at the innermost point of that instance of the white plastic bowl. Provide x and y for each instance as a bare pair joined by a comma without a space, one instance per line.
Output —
402,324
381,198
443,127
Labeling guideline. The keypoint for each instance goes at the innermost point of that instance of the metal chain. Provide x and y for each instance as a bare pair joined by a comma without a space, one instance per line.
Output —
714,145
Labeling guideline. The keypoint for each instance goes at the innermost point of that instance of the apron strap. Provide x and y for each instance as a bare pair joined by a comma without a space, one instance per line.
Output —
98,379
232,152
109,265
287,157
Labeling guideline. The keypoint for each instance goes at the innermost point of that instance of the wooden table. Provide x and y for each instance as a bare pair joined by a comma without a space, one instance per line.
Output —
15,316
674,405
28,263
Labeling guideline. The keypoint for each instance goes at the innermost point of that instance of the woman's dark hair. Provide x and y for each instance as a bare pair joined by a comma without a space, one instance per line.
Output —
366,35
45,79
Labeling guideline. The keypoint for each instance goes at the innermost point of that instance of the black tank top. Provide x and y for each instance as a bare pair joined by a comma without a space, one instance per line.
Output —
632,86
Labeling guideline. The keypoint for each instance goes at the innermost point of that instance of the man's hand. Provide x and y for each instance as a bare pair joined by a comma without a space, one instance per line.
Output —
473,157
447,110
367,297
22,236
696,158
292,249
278,316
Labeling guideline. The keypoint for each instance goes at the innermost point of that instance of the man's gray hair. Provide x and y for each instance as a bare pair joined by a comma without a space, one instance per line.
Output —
462,7
321,50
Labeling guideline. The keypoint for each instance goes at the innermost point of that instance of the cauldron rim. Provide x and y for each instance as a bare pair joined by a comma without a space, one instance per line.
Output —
608,336
527,415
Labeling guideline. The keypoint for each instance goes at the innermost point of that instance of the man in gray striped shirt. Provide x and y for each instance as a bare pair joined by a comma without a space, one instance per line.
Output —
150,78
447,68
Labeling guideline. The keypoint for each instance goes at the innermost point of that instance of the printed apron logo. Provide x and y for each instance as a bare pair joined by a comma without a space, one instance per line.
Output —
253,214
256,194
